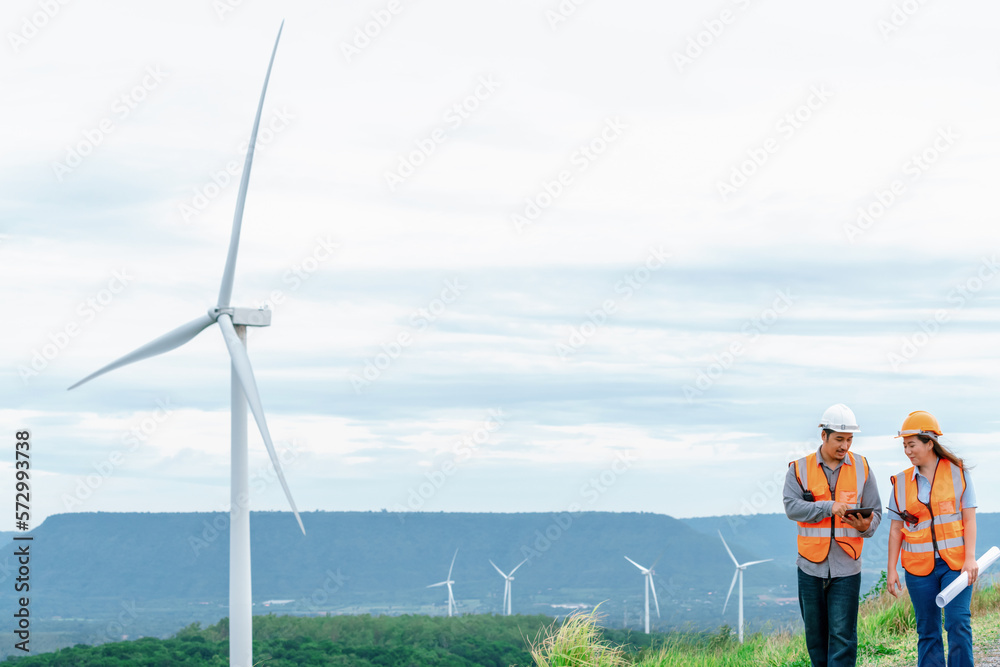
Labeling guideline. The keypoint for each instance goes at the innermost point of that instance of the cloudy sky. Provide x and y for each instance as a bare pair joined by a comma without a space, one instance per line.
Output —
521,256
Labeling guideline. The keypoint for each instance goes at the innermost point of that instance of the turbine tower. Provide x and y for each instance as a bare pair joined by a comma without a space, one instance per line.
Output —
506,586
448,582
232,323
738,573
647,573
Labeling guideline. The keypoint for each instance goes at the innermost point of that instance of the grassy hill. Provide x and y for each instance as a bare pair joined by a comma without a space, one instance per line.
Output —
886,638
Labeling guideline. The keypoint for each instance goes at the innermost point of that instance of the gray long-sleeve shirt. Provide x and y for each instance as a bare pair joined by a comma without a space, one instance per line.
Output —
838,563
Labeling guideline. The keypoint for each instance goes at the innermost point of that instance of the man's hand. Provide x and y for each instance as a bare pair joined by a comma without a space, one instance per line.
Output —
857,522
839,509
892,583
972,567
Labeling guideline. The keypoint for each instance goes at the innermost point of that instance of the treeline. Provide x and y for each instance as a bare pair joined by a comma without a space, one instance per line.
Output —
349,641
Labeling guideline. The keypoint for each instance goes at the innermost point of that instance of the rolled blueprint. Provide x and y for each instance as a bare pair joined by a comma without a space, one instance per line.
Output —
957,586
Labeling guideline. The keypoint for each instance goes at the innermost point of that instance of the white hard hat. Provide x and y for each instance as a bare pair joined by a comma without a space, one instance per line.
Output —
839,418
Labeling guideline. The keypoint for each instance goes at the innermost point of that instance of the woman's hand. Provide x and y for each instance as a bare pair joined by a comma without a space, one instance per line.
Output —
971,567
892,583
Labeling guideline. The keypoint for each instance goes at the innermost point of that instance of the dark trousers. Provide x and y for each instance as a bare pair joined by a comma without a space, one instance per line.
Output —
957,620
830,613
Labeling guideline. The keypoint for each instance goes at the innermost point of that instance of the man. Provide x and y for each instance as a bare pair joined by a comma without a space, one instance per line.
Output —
821,492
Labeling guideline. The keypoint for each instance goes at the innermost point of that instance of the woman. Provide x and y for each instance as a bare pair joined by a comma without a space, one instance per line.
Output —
934,523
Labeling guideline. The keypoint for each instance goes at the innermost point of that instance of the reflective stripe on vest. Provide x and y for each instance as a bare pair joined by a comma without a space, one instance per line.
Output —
928,547
940,519
814,538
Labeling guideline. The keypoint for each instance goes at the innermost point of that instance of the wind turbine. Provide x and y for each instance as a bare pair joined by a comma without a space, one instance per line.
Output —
738,573
506,586
647,573
232,323
448,582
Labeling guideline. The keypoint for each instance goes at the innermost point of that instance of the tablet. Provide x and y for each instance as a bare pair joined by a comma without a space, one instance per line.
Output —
863,512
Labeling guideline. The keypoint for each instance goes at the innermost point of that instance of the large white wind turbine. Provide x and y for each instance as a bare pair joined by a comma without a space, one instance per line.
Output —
448,582
738,573
647,573
232,323
506,585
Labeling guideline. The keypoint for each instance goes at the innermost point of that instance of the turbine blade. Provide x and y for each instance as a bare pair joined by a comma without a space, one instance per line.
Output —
727,549
241,362
636,564
652,585
452,564
518,565
164,343
498,569
755,562
730,591
226,290
440,583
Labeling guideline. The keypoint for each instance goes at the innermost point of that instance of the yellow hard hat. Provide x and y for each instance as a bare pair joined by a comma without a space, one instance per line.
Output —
920,423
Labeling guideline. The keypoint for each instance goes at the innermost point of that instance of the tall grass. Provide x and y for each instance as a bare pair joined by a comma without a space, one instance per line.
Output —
726,651
576,643
986,599
886,634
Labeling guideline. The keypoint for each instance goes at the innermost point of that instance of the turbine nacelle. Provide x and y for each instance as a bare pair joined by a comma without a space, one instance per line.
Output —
246,317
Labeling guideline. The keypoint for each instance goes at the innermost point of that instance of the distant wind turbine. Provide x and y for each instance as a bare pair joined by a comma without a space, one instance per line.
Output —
506,586
647,573
448,582
738,573
233,323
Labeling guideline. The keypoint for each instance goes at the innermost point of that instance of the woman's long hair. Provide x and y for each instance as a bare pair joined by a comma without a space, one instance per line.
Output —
943,452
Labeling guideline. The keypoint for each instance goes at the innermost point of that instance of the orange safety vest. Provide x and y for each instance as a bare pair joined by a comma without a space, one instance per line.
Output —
939,524
815,538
